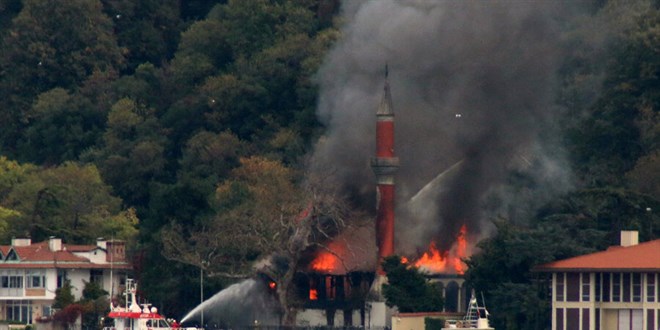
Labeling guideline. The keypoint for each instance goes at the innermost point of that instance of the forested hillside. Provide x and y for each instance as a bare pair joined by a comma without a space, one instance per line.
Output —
158,121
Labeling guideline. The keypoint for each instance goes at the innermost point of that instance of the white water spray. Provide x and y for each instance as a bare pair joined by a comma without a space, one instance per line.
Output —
241,304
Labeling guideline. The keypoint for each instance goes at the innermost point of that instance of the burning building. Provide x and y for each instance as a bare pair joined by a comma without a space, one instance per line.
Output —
342,284
474,90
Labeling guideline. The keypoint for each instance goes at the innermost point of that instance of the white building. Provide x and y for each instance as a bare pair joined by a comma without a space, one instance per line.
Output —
31,272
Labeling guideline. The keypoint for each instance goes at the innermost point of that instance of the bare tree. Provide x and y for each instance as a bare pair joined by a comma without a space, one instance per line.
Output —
264,225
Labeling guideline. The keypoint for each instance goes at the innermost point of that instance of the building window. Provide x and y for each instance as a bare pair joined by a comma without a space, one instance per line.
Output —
96,276
36,280
19,310
572,286
559,320
598,286
11,281
636,287
329,287
61,278
626,285
559,287
650,287
585,286
616,287
12,256
607,284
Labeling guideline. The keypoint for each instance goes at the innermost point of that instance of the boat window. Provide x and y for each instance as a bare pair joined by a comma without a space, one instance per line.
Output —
163,324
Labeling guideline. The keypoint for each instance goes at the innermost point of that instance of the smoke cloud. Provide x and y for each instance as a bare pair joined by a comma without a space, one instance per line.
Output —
472,82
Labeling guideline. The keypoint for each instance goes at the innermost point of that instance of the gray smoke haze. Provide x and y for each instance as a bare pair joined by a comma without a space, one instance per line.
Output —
471,81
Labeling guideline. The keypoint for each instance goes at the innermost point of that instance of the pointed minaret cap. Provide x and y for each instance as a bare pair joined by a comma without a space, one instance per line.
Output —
385,107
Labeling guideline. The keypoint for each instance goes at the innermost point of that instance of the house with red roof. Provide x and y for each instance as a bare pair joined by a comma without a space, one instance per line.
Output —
31,272
615,289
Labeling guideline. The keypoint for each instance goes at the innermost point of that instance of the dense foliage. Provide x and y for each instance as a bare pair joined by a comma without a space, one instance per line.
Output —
408,289
146,119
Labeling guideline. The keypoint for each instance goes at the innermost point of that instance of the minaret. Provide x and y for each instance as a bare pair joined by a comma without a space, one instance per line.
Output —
385,165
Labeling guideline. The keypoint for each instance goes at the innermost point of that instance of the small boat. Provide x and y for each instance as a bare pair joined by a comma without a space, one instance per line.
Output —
475,318
134,317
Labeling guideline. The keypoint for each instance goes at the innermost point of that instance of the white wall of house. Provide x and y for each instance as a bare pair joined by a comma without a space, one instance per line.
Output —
76,278
51,283
97,256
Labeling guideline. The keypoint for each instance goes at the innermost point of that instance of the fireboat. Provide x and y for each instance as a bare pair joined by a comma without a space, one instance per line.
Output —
134,317
475,318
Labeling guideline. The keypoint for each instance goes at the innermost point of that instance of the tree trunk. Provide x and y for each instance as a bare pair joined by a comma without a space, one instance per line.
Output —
288,312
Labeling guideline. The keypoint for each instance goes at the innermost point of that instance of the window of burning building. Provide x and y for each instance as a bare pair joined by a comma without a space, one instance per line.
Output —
335,290
451,297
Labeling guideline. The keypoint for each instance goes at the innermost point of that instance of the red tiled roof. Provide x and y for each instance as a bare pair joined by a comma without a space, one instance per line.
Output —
38,255
88,265
640,257
39,252
79,248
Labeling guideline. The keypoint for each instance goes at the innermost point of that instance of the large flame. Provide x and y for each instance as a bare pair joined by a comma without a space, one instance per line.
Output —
436,261
329,260
325,262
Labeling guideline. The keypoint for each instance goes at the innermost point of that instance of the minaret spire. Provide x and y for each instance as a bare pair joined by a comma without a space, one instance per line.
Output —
385,165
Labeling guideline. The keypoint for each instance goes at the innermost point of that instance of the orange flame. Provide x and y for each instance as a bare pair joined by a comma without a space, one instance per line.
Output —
329,260
436,261
325,262
313,294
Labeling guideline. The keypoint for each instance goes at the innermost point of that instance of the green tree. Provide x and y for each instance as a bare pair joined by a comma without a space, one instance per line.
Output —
63,296
256,25
620,125
58,51
132,154
70,201
502,272
94,304
408,289
45,48
62,126
146,31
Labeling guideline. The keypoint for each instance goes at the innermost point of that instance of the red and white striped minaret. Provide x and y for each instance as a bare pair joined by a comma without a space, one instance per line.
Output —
385,165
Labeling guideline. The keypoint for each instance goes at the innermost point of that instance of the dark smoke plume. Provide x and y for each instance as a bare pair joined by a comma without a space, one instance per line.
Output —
471,81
